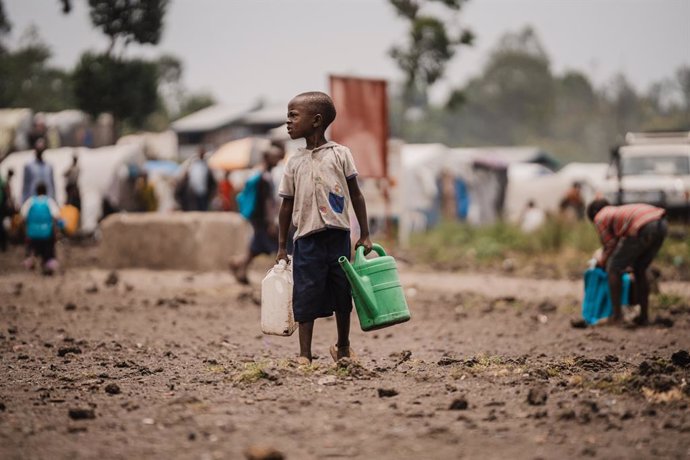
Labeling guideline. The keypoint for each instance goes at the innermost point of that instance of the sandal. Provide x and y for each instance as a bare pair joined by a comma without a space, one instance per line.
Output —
334,352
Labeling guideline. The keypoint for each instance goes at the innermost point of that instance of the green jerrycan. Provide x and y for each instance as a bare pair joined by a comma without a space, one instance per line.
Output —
379,297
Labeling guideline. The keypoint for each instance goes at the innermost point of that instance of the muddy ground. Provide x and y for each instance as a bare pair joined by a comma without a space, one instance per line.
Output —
143,364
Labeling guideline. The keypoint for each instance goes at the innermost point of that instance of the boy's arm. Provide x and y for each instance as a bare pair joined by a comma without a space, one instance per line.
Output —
284,219
360,208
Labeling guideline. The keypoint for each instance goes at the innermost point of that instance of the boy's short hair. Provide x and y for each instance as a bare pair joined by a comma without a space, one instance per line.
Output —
595,206
41,188
321,103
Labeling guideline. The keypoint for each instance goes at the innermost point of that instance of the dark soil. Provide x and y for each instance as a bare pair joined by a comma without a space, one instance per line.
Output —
174,365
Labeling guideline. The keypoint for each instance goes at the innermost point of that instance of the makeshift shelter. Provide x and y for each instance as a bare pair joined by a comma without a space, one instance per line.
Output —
156,146
218,124
101,169
547,190
417,196
14,127
240,154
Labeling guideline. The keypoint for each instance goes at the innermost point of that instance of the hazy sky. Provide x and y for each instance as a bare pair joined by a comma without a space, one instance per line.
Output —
240,50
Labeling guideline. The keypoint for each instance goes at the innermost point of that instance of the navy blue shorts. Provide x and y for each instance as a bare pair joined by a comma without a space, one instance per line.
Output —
319,283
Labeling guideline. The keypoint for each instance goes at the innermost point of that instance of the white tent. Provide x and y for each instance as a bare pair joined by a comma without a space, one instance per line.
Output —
98,168
548,190
417,192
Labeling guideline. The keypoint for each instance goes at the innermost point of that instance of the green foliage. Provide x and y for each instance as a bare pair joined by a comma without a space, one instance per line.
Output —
26,79
454,241
129,20
518,100
194,102
431,46
5,24
125,88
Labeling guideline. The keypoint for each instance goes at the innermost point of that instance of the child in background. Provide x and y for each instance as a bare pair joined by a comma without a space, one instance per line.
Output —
41,215
318,184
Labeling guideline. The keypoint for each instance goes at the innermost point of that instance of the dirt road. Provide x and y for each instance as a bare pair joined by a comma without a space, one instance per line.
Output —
142,364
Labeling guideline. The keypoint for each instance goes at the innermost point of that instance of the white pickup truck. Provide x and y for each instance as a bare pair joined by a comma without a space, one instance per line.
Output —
652,168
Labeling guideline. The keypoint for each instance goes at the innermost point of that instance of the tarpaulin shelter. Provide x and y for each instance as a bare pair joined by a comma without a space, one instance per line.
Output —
239,154
98,168
14,127
547,190
417,199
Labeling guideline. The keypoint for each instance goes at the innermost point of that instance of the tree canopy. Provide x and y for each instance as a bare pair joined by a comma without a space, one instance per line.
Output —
129,20
517,99
432,43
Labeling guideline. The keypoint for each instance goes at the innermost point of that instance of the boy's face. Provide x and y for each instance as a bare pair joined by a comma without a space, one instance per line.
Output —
301,121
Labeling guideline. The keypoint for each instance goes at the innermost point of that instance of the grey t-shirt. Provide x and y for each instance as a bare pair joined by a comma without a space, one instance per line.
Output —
317,182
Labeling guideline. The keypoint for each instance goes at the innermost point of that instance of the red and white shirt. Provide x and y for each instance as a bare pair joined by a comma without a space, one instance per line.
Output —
616,222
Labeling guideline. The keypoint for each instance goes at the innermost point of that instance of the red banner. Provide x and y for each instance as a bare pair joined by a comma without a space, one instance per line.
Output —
362,122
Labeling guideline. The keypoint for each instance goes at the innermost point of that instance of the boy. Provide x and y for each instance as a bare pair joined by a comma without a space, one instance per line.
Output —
315,188
631,236
40,213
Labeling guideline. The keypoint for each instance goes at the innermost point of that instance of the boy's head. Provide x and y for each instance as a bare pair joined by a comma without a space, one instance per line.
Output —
595,206
41,188
309,113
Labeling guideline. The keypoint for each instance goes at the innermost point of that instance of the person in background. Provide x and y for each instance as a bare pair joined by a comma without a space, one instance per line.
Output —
226,194
532,217
7,209
572,206
36,172
72,183
631,236
41,216
263,218
200,182
144,194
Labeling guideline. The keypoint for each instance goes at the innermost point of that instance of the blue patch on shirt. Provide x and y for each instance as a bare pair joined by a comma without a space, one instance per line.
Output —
337,202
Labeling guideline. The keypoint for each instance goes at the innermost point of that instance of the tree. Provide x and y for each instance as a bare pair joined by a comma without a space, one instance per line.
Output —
516,90
432,44
26,79
126,89
129,20
195,102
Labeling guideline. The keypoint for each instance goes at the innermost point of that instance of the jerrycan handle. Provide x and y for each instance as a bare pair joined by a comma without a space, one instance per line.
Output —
359,254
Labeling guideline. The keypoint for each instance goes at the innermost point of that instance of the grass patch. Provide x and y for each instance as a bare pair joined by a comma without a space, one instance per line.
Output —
558,249
253,372
668,301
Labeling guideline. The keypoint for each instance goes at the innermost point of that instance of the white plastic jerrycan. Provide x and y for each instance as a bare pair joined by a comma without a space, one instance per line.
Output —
276,301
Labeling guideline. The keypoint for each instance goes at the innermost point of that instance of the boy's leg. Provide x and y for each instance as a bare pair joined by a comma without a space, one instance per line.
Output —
342,321
306,331
339,286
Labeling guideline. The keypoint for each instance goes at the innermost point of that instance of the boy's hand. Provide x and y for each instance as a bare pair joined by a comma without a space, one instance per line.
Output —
366,242
282,255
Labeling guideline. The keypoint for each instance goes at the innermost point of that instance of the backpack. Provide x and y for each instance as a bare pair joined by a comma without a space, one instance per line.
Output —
39,220
246,199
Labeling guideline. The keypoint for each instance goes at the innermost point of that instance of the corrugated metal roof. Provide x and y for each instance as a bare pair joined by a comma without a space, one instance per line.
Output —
210,118
269,115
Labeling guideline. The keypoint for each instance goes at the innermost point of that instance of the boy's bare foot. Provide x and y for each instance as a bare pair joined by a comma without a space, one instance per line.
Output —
302,361
338,353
